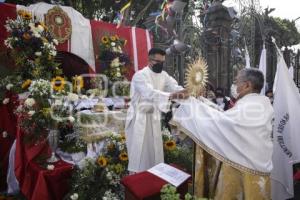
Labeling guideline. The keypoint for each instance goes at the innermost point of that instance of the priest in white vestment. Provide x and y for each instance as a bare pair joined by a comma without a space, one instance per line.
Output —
151,91
239,137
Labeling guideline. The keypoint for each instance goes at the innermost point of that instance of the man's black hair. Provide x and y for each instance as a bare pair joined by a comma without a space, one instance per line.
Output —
154,51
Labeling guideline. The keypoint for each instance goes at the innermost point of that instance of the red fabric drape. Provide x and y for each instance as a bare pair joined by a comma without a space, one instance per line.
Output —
35,181
7,124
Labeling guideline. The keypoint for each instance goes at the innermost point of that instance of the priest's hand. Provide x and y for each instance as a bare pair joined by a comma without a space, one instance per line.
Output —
182,94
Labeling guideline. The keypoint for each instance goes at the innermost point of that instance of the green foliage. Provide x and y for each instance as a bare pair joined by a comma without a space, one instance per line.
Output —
181,155
284,31
168,192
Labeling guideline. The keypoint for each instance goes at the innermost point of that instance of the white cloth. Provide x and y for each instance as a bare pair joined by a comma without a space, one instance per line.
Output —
263,68
240,136
291,71
12,182
149,96
81,38
285,132
247,58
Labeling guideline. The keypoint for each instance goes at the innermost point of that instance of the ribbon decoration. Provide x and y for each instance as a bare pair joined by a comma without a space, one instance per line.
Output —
122,11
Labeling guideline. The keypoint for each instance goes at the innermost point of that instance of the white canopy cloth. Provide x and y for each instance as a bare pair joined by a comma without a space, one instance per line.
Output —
149,96
240,136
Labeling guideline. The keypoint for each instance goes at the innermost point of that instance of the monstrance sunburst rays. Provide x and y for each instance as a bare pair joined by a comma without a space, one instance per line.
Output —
196,77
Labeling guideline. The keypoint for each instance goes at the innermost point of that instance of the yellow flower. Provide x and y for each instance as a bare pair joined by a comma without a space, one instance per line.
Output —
46,111
27,15
21,12
58,83
78,82
105,40
44,26
102,161
123,138
26,36
44,40
113,38
123,156
170,145
26,84
111,146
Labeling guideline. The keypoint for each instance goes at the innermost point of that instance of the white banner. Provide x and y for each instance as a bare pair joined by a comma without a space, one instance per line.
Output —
286,135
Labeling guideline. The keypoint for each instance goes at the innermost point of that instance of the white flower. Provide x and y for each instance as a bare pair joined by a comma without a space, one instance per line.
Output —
9,86
31,112
74,196
4,134
115,62
37,35
113,44
84,97
29,102
72,97
40,28
58,102
7,43
19,108
50,167
53,53
71,118
38,53
115,49
55,41
118,74
5,101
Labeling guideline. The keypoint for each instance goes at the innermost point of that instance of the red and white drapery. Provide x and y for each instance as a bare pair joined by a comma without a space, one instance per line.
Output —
86,35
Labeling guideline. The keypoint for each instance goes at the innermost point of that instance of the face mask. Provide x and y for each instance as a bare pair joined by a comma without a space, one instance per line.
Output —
233,91
158,67
219,100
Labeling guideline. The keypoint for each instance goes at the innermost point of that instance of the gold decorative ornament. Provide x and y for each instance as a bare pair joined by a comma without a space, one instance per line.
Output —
196,77
59,24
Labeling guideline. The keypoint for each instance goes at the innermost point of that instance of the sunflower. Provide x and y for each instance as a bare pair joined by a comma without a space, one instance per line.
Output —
111,147
26,36
78,82
123,156
43,25
170,145
105,40
21,12
27,15
26,84
123,138
113,38
102,161
58,83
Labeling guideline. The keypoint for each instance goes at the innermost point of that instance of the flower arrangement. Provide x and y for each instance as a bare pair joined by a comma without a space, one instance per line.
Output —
177,152
114,62
100,178
32,47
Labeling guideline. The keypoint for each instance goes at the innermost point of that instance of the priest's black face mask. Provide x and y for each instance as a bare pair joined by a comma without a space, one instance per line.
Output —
157,63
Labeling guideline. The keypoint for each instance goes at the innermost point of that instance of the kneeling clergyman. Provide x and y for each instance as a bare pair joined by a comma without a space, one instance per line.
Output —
239,140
